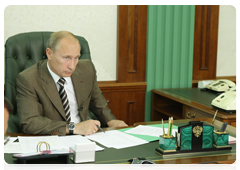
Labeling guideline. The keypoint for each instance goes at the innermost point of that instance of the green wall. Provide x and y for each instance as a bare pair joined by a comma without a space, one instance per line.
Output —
170,38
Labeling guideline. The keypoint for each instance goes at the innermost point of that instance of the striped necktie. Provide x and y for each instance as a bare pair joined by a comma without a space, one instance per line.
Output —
63,96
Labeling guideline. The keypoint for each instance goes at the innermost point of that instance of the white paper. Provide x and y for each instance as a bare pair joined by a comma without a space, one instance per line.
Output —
11,140
29,144
149,130
39,153
14,148
70,141
231,140
116,139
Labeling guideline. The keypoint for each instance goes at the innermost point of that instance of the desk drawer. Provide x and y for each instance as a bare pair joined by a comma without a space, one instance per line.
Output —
190,113
231,122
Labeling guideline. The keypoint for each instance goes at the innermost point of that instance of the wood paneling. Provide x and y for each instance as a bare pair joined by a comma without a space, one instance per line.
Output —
127,105
132,33
205,42
113,86
126,100
126,96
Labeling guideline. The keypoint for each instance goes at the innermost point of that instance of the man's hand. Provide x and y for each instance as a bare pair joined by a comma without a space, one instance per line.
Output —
116,123
86,127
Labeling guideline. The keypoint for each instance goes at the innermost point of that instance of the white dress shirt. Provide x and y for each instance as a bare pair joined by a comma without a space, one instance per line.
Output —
68,86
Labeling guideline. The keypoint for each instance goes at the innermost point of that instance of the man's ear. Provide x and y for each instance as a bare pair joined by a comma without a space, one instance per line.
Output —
49,53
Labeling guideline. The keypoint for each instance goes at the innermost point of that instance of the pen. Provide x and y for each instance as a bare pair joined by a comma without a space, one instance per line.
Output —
224,126
171,125
169,122
163,127
214,116
97,126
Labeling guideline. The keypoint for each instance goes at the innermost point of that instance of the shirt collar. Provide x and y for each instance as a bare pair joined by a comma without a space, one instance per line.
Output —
56,77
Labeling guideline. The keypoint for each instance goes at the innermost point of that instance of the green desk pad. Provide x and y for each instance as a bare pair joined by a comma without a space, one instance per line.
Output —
121,156
195,94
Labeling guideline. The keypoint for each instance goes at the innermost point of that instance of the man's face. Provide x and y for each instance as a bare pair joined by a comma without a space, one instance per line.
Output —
6,116
64,59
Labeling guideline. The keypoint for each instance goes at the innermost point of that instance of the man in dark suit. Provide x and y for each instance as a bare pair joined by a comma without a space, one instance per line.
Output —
47,105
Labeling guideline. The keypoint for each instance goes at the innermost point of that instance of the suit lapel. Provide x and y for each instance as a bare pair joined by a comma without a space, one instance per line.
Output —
50,88
78,86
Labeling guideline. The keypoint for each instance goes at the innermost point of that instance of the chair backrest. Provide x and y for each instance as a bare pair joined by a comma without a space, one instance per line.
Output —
22,51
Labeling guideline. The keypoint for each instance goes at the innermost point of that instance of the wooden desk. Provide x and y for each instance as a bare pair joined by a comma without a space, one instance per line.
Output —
121,156
186,103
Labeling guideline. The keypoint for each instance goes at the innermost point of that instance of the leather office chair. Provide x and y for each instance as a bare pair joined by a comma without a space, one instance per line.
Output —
22,51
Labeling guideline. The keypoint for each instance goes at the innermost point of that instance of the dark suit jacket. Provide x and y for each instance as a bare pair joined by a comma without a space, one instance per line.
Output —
40,107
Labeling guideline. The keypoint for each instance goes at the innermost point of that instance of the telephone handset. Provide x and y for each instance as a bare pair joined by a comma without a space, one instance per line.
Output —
221,85
233,90
226,101
228,82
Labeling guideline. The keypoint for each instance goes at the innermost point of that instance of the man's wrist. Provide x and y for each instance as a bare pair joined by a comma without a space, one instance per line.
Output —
71,127
67,131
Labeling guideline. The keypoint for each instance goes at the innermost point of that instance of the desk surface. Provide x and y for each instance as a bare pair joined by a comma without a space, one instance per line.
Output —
120,156
195,98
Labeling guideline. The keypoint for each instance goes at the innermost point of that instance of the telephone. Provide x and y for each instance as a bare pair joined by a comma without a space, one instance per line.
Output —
221,85
226,101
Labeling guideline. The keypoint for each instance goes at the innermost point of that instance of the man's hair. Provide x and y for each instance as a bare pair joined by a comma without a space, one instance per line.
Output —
8,105
56,37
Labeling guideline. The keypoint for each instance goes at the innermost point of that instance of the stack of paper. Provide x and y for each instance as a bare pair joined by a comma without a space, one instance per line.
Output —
232,140
29,144
149,131
70,141
40,153
116,139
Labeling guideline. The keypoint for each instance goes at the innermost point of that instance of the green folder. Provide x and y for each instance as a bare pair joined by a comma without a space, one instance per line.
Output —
146,137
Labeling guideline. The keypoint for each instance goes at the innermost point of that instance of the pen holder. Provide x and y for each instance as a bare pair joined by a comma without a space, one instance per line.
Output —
167,143
220,139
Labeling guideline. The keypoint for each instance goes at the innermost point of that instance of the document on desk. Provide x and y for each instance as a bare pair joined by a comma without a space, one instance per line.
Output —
231,140
116,139
13,147
149,131
70,141
29,144
11,140
145,133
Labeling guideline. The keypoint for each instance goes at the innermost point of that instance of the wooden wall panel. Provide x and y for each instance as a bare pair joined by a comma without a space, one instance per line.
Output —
126,100
132,34
205,42
126,96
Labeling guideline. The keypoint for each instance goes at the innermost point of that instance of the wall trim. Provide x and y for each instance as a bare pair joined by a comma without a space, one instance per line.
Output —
110,86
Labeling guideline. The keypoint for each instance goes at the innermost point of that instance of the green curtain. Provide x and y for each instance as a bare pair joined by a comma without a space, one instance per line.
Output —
170,39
